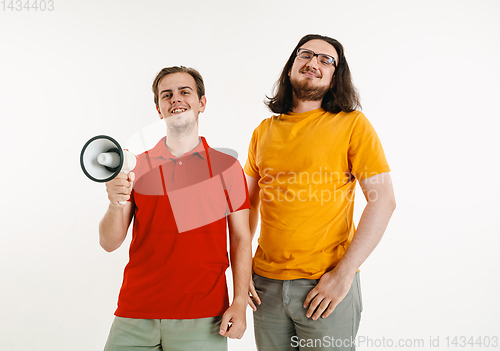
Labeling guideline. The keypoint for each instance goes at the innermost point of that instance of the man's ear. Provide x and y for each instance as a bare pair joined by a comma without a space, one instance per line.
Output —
203,103
158,110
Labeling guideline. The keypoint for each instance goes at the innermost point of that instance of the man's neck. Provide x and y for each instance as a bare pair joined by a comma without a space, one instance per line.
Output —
179,144
300,106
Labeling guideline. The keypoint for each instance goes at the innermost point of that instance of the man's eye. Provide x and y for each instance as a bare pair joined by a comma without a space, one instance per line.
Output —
185,92
326,61
166,96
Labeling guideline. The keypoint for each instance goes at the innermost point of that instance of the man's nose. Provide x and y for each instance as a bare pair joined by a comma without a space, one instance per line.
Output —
313,62
176,98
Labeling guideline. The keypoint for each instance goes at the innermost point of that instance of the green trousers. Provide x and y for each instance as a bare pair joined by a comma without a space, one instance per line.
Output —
130,334
281,324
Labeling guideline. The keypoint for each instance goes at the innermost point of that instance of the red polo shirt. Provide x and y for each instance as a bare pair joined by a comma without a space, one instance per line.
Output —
178,254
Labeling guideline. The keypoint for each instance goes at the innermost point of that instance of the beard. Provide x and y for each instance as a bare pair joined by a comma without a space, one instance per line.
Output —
184,126
305,92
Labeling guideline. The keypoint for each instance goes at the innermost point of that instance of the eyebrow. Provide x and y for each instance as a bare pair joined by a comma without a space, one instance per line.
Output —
321,53
179,88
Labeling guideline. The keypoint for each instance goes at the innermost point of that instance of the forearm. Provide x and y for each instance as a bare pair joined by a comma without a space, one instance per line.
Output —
241,265
240,254
371,228
112,228
254,218
254,194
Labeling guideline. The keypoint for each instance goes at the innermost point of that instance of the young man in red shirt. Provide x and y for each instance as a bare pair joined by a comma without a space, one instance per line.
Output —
180,195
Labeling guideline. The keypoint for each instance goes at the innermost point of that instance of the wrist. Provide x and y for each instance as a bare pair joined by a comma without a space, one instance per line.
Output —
344,270
115,207
239,300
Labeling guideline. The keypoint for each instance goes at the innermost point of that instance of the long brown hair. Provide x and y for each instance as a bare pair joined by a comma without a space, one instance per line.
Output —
342,96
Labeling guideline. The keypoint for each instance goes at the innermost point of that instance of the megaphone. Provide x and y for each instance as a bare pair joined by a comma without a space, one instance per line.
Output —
102,159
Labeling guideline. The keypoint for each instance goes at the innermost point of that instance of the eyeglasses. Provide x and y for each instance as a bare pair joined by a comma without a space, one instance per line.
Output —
324,59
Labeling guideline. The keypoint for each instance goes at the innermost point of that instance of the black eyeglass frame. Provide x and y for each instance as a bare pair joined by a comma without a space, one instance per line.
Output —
334,62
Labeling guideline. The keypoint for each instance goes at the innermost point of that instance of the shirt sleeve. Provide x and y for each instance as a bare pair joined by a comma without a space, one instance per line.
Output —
366,155
251,165
237,187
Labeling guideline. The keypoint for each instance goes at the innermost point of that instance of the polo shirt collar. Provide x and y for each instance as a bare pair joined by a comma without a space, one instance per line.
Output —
161,150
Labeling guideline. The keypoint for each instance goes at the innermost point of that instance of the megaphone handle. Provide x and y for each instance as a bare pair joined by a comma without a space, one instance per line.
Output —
126,171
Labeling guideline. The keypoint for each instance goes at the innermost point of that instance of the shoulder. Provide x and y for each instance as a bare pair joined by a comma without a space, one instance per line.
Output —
266,123
223,159
145,163
353,116
143,158
224,155
353,120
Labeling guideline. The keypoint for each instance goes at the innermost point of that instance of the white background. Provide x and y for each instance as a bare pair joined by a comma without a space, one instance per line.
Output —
428,73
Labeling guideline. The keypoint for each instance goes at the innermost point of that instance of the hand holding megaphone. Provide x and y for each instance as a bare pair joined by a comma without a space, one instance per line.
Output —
120,188
102,160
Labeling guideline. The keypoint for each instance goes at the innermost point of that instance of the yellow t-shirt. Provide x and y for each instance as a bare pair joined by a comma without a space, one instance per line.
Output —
307,165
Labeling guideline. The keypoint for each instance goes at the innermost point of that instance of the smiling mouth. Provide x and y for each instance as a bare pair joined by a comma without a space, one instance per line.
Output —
309,73
178,110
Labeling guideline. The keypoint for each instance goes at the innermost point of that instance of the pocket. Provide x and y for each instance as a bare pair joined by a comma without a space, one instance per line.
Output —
254,280
359,292
259,283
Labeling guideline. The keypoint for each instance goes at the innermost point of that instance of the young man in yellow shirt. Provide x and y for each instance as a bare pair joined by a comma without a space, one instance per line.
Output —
302,169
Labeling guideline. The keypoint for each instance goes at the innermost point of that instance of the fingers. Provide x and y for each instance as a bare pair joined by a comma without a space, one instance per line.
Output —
320,305
325,297
312,294
330,310
224,325
321,308
120,188
317,307
253,297
232,327
316,302
313,305
251,303
236,330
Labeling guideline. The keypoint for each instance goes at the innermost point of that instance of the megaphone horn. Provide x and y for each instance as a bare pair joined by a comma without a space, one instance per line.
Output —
102,159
